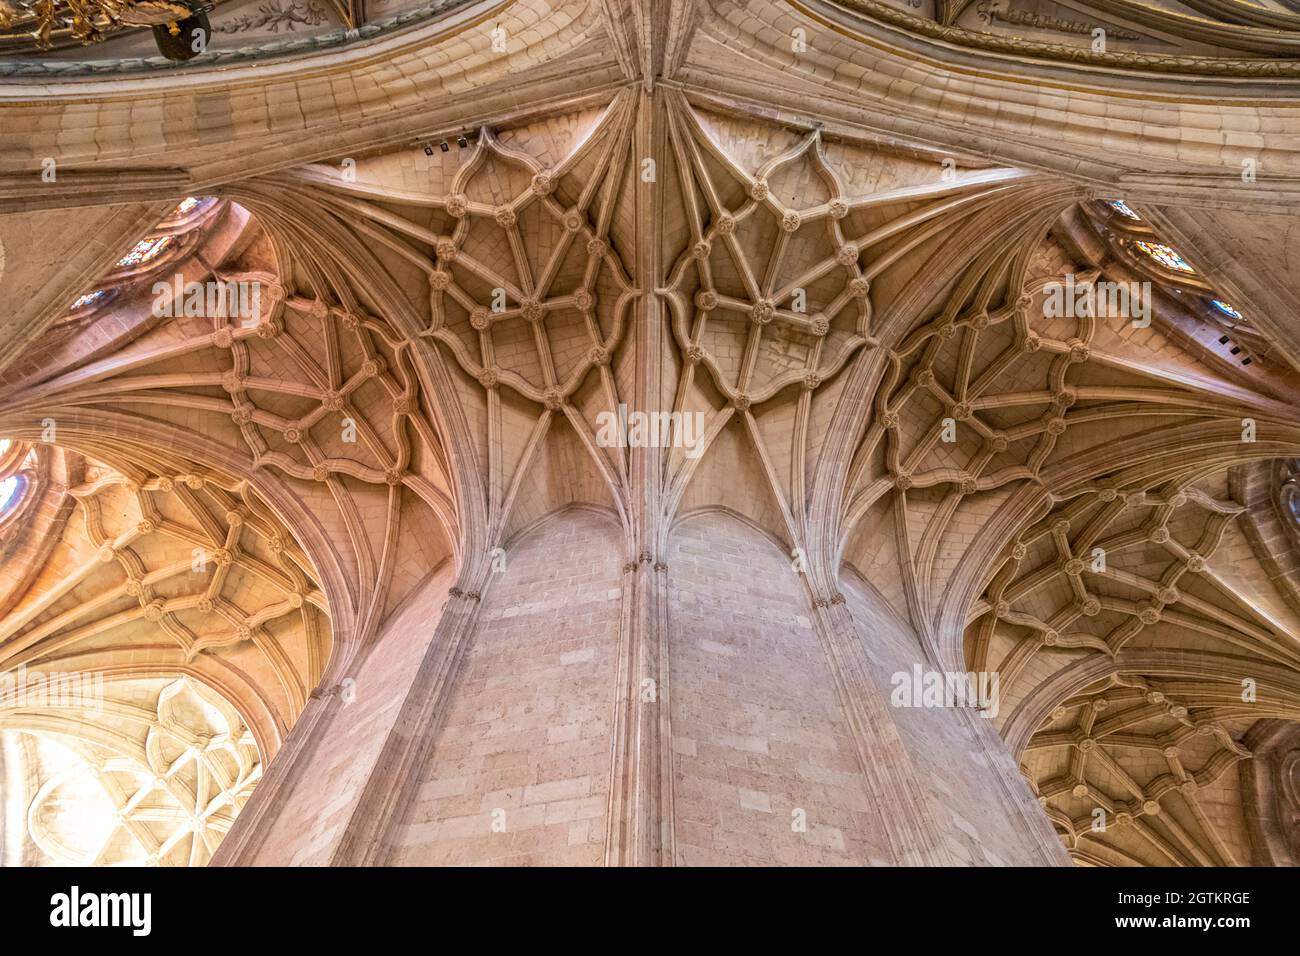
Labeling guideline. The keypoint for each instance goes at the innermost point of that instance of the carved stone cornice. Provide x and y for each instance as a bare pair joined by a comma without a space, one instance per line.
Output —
1082,56
280,48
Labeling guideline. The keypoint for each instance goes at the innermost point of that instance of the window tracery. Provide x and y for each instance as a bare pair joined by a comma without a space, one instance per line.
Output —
17,464
1121,207
145,251
1166,256
174,236
11,490
1227,309
89,300
1190,301
189,207
152,774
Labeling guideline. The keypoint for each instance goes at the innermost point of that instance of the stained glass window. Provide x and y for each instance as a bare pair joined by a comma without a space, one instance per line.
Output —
4,445
1226,309
10,491
144,251
87,300
186,206
1121,207
1167,256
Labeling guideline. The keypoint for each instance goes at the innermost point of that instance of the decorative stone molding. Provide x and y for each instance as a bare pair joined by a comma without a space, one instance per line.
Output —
215,58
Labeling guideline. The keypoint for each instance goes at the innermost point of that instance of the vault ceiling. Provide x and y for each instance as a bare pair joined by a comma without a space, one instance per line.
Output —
149,772
852,311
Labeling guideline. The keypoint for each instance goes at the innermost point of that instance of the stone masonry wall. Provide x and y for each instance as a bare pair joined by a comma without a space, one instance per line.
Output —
764,770
354,735
956,759
520,771
758,732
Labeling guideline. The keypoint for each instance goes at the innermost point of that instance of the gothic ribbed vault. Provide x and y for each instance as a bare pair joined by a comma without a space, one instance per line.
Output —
381,541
